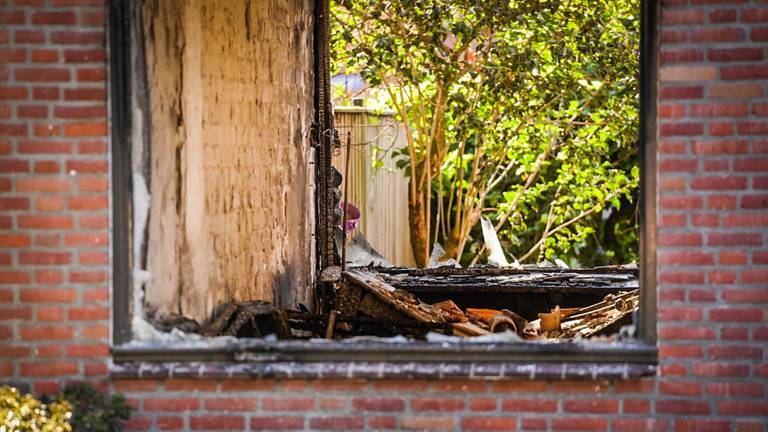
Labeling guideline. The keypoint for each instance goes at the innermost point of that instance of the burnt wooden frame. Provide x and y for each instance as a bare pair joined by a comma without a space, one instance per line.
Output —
120,88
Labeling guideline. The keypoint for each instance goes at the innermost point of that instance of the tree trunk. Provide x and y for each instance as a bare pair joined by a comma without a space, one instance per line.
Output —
417,219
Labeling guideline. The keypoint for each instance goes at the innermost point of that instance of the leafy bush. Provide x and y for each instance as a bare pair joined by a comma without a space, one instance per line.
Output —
78,408
93,411
26,413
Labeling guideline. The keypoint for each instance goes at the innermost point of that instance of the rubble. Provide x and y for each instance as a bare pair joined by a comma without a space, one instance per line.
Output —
374,303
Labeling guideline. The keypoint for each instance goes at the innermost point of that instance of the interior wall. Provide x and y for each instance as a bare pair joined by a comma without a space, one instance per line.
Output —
230,97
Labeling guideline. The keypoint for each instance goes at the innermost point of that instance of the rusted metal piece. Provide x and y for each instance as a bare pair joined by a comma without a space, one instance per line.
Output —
450,308
501,323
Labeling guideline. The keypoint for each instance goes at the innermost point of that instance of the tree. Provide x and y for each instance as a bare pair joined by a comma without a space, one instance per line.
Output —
525,112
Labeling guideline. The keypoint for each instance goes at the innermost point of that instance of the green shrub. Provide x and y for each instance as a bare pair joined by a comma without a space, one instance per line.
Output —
25,413
78,408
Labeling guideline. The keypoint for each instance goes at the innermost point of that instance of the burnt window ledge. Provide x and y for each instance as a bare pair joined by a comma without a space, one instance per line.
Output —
298,359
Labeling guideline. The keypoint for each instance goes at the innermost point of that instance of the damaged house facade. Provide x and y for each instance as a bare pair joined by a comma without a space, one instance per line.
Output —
168,213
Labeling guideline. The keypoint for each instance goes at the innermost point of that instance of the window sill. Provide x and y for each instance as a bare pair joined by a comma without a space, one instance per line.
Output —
299,359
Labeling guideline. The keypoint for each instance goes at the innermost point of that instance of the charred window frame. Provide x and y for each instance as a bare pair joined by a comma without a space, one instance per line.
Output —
120,93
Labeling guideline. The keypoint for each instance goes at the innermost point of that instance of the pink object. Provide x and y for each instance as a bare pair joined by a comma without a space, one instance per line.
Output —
353,216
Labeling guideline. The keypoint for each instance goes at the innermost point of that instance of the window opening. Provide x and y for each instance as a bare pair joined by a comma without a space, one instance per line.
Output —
480,171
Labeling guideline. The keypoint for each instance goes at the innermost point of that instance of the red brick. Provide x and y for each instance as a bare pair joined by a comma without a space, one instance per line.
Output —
427,423
288,404
171,404
50,314
277,423
14,277
672,313
745,90
44,146
680,388
745,295
488,423
583,387
483,404
717,34
41,74
737,352
334,422
519,386
170,423
754,201
682,406
231,404
677,165
759,34
437,404
88,166
80,112
744,72
91,258
579,424
14,165
680,351
722,16
682,92
88,314
12,55
681,128
15,313
680,239
217,422
44,56
45,93
681,55
45,222
529,405
742,407
78,94
88,350
720,369
85,55
459,385
88,202
62,18
77,37
682,16
92,147
734,239
735,54
721,202
736,314
41,369
637,425
378,404
49,203
14,203
47,333
12,16
753,164
636,406
29,36
731,389
746,220
86,129
45,258
686,333
41,184
91,74
720,128
47,295
13,93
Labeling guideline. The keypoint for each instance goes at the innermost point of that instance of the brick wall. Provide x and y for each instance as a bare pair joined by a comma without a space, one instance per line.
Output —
713,251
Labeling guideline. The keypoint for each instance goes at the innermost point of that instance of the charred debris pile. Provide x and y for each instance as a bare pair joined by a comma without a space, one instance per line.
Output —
531,303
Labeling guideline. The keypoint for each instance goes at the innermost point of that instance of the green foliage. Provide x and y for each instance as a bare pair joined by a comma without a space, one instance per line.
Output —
525,112
93,411
25,413
79,408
